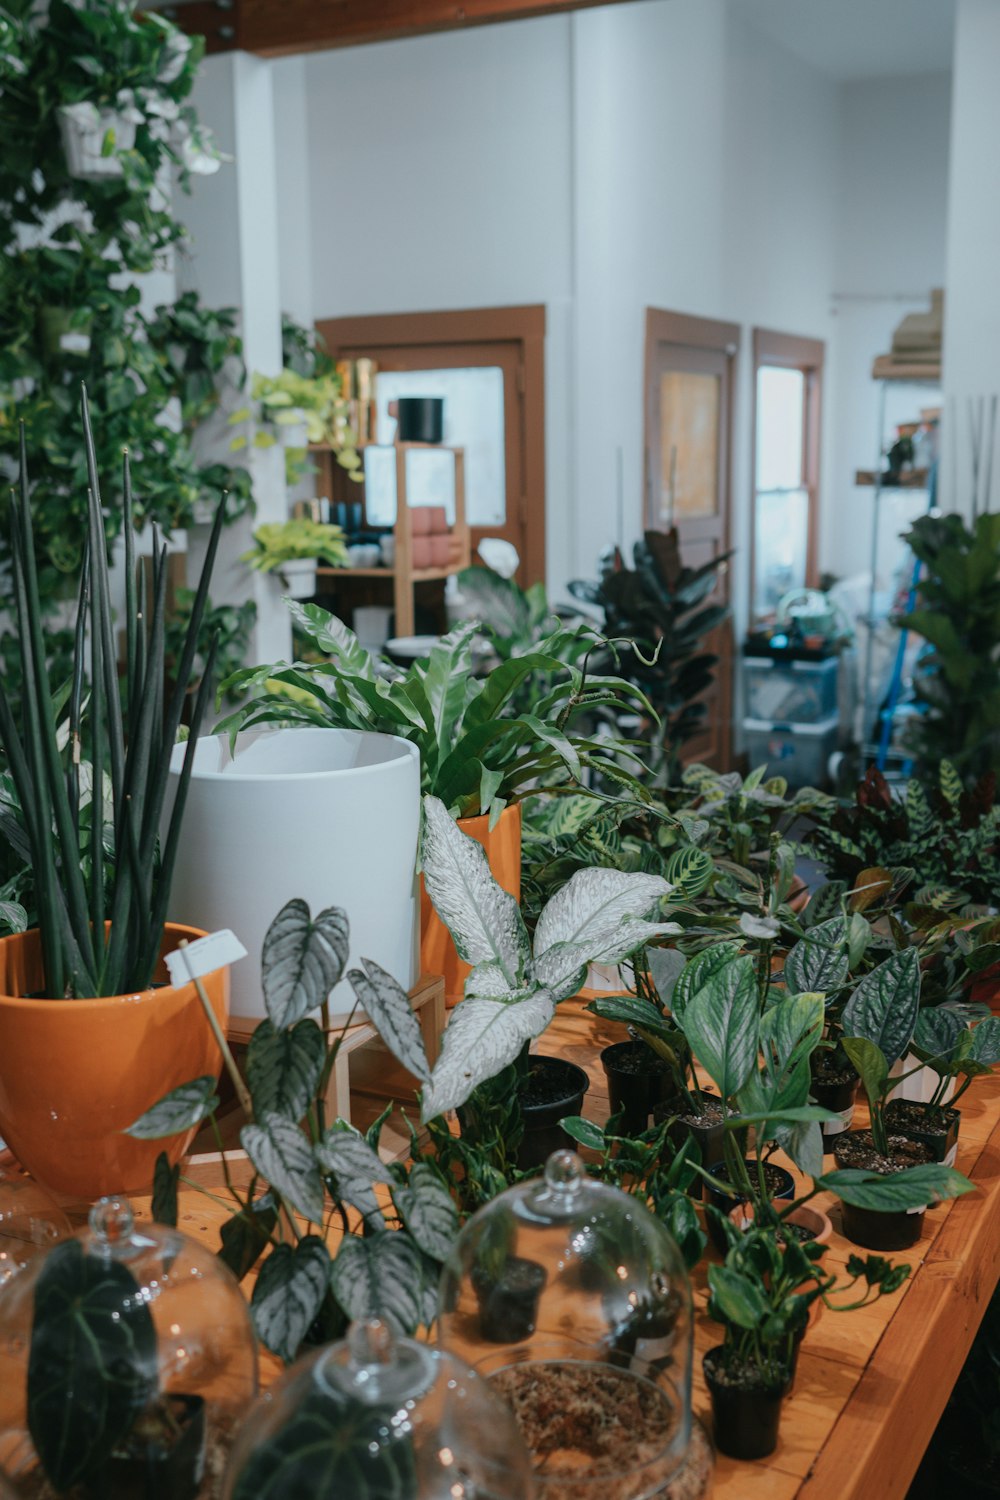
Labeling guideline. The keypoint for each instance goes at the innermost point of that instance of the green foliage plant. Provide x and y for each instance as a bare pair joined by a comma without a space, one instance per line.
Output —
284,402
476,754
90,800
280,542
958,615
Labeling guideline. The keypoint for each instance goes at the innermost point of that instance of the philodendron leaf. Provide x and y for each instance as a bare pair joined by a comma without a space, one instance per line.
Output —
869,1063
180,1110
282,1155
379,1277
884,1006
803,1144
481,1038
483,919
721,1023
819,960
738,1299
698,972
633,1011
389,1009
914,1187
594,906
665,966
936,1033
302,960
986,1042
290,1286
91,1364
284,1067
165,1180
356,1167
428,1210
585,1132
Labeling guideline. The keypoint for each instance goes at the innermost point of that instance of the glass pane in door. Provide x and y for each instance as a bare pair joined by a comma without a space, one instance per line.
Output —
781,395
781,540
689,446
473,420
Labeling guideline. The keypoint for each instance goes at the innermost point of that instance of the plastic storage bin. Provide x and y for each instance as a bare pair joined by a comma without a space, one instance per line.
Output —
799,752
791,692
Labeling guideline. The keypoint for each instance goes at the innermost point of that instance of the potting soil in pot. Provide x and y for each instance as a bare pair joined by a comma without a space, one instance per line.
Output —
599,1433
858,1150
219,1440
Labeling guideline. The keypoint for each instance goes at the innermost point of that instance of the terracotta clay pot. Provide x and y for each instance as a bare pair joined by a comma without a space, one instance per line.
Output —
75,1073
503,850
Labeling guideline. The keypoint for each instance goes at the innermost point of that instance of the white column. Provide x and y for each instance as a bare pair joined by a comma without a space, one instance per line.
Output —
233,217
972,287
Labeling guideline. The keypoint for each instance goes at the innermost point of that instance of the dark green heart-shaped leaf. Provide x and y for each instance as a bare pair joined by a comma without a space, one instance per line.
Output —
284,1067
282,1155
178,1111
290,1286
245,1237
91,1365
883,1008
165,1180
380,1277
302,960
818,962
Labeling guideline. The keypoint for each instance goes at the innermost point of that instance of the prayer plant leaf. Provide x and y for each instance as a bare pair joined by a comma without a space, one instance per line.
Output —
483,919
284,1068
388,1007
481,1038
380,1277
287,1294
303,960
281,1153
180,1110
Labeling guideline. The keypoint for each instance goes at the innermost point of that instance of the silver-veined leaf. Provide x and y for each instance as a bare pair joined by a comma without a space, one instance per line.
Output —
884,1006
819,960
284,1068
428,1210
282,1154
481,1038
287,1294
380,1277
483,919
182,1109
356,1166
303,959
389,1009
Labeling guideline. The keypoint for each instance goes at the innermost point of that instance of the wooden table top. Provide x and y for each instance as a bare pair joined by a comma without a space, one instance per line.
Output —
871,1384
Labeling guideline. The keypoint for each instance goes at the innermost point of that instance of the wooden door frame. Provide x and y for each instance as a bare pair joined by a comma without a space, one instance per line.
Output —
721,338
792,353
524,326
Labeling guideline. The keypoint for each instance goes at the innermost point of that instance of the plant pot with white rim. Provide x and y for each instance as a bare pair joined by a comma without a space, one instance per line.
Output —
94,138
328,815
299,577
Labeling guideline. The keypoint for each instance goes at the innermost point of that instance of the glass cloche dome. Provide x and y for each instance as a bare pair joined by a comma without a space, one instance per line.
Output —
573,1300
379,1416
127,1360
30,1222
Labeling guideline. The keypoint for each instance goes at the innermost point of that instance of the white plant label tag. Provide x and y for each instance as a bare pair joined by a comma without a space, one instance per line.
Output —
949,1159
204,956
841,1123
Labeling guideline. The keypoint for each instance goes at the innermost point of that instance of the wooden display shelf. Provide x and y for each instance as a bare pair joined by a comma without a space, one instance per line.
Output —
870,1385
887,368
910,479
402,573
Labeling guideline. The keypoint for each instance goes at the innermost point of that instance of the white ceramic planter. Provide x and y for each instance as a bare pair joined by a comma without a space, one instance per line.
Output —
331,815
299,577
83,128
920,1087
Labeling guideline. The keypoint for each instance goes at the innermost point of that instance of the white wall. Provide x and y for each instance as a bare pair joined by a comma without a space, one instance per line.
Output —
890,251
972,312
661,153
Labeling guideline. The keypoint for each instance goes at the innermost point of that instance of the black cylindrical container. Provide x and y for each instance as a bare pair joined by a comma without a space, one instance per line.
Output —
508,1303
563,1085
745,1420
421,419
637,1080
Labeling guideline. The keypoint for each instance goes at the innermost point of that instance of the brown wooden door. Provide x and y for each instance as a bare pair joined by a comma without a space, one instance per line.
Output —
510,339
689,388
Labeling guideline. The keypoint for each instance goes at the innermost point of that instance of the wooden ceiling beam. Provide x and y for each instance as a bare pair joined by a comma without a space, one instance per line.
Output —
276,28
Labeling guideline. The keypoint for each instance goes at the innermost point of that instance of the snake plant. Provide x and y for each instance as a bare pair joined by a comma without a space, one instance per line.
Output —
91,788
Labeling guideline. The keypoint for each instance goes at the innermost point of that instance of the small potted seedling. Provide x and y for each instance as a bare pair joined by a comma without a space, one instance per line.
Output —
762,1295
652,1069
952,1051
507,1286
886,1180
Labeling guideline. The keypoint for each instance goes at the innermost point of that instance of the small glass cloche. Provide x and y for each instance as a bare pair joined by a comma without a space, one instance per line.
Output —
127,1360
30,1222
379,1416
573,1300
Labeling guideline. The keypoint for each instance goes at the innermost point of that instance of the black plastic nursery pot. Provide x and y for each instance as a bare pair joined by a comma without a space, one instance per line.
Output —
155,1470
934,1127
508,1302
780,1182
745,1415
708,1130
875,1229
552,1090
838,1094
638,1080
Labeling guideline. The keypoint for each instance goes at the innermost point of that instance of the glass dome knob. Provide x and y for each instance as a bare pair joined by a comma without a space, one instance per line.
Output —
111,1220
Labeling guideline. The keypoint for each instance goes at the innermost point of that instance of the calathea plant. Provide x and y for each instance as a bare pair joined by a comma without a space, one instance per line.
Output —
89,800
599,916
319,1170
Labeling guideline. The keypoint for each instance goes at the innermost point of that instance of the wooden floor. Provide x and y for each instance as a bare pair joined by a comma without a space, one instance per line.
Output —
870,1384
